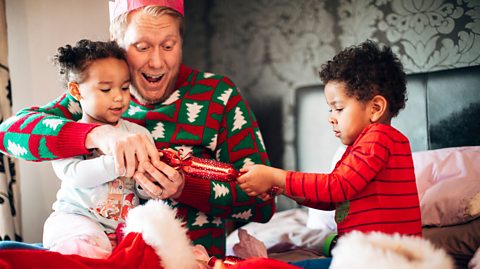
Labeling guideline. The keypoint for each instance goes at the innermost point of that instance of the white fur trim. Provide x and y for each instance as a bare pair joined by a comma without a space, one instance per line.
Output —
379,251
164,232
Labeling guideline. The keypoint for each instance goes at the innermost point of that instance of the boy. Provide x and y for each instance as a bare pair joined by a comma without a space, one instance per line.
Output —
373,185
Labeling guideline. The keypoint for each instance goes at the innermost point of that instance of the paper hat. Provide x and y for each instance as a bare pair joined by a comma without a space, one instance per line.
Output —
118,7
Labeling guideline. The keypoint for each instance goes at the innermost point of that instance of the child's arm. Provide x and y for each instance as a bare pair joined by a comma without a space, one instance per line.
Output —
258,179
82,173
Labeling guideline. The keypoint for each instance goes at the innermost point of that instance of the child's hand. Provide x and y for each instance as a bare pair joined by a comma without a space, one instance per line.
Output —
258,179
265,196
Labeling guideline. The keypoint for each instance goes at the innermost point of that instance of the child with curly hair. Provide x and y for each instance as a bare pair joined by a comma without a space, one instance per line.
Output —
93,198
372,187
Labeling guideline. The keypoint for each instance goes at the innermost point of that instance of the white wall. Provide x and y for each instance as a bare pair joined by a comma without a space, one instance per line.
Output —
35,30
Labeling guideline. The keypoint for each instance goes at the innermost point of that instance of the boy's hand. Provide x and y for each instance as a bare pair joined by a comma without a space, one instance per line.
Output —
265,196
259,179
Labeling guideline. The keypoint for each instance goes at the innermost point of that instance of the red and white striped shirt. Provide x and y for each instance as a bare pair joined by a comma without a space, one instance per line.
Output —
372,187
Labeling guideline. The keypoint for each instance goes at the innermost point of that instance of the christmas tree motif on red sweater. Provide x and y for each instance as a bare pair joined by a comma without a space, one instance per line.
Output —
201,219
260,139
172,98
133,109
193,110
74,108
52,123
238,119
247,162
16,149
244,215
208,75
225,96
213,143
158,131
220,190
217,221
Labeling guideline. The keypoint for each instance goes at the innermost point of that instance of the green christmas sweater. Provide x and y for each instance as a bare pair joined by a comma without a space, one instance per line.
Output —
205,115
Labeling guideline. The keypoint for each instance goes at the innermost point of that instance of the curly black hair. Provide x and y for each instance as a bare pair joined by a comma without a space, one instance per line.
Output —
368,70
73,61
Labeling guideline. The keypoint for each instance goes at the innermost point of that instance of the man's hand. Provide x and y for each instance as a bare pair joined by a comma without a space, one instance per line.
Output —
160,181
249,246
127,149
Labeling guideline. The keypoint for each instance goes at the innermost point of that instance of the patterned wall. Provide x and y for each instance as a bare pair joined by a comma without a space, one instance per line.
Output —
271,47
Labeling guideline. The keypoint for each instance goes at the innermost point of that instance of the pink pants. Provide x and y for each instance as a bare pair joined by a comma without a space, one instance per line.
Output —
76,234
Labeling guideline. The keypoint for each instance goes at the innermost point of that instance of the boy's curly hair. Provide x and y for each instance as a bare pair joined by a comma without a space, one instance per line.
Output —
73,61
368,70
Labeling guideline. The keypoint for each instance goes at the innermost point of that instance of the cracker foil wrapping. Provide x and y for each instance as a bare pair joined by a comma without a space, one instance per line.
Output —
200,167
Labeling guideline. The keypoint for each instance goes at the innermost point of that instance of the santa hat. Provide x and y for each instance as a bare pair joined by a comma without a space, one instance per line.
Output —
154,239
377,250
118,7
165,233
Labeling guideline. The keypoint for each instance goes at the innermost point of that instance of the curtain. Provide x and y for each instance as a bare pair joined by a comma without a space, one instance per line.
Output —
10,228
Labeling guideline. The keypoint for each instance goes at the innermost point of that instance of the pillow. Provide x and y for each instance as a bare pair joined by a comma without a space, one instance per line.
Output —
433,166
448,182
451,202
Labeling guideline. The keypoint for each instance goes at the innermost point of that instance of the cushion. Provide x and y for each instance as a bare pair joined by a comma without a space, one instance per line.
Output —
448,182
450,202
433,166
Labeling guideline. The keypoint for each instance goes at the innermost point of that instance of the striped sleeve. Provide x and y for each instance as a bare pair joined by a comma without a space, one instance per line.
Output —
365,158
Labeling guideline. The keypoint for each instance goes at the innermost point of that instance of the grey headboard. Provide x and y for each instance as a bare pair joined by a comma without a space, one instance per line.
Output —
443,110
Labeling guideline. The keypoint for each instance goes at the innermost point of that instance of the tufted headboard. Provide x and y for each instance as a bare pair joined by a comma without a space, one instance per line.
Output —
443,110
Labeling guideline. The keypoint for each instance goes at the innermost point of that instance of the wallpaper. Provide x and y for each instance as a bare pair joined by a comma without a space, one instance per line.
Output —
9,188
272,47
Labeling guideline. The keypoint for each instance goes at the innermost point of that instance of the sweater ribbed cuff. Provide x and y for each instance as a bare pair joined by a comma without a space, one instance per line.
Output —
71,139
196,193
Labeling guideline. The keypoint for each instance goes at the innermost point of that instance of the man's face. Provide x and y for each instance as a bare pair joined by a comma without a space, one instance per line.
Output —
154,54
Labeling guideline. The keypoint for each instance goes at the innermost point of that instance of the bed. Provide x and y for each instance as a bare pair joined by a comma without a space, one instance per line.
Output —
442,121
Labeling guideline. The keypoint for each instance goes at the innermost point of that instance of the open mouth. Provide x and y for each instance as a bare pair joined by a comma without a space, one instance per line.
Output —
152,79
117,109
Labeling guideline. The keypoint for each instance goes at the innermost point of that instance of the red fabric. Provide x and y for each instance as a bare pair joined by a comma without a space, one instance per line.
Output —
262,263
71,139
373,185
132,252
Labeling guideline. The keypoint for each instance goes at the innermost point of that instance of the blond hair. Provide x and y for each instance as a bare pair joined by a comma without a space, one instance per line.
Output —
120,23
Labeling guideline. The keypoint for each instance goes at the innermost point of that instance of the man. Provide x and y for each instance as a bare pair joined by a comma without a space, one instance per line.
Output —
195,112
